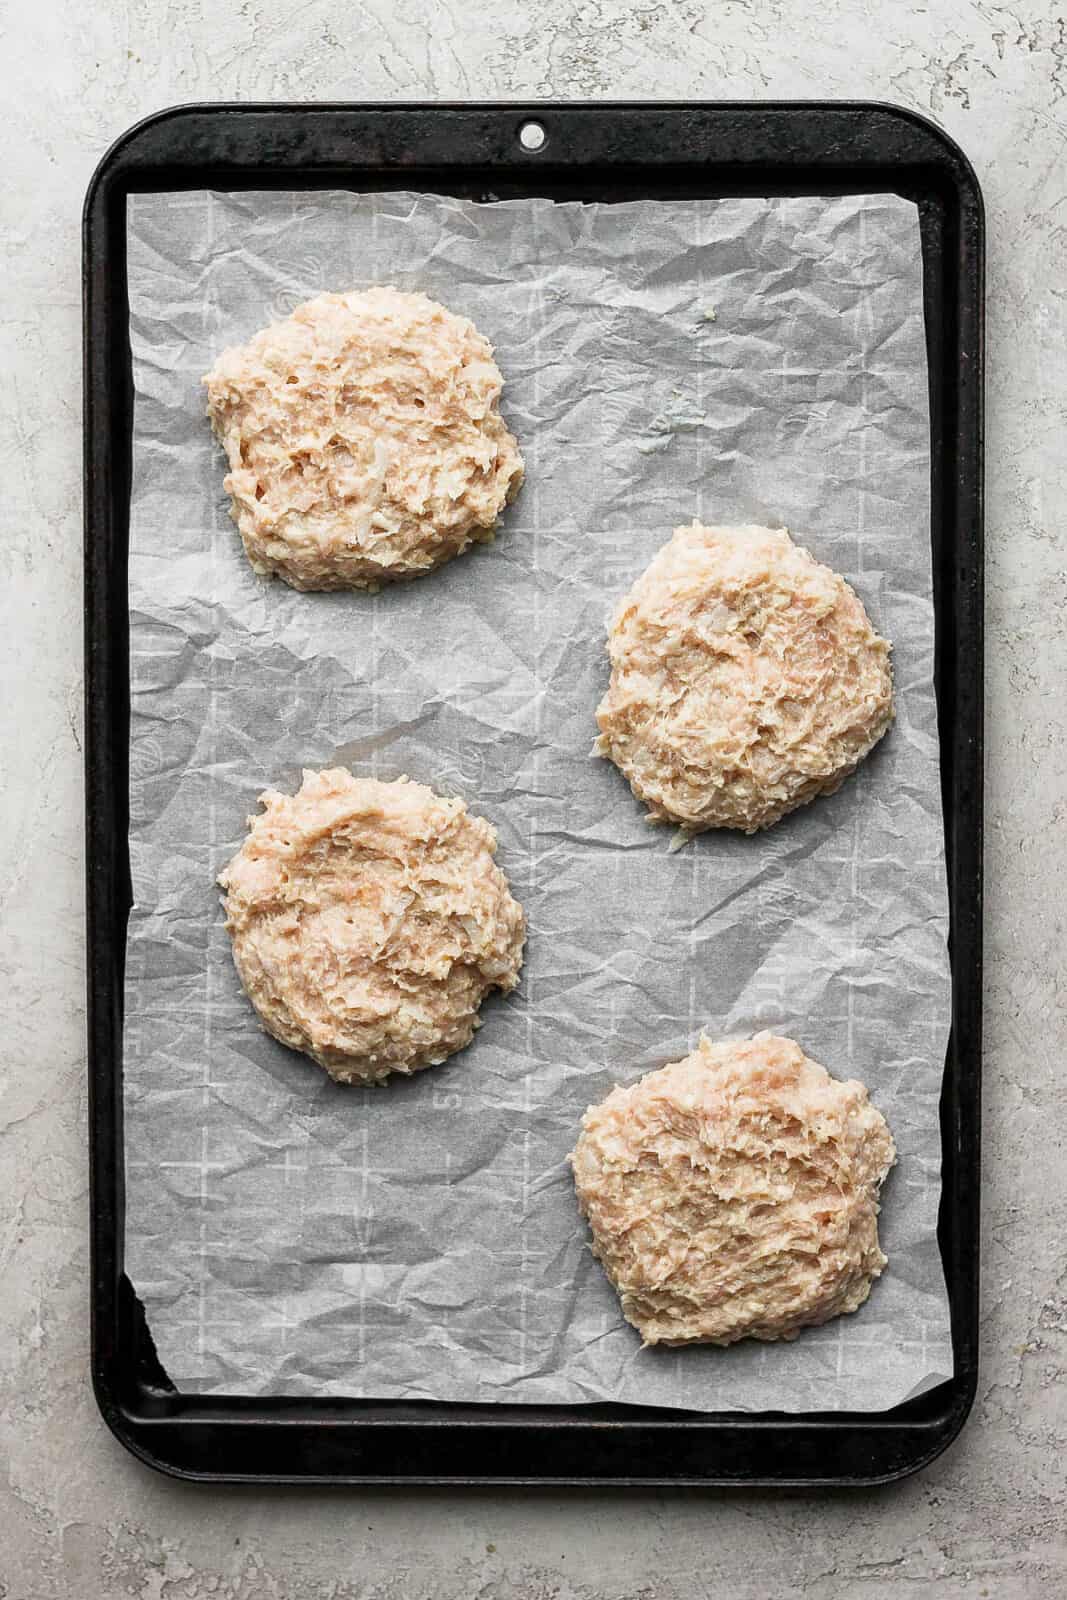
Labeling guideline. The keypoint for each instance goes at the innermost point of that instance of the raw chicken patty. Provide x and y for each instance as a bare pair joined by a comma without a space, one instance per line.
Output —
364,440
746,679
369,921
734,1194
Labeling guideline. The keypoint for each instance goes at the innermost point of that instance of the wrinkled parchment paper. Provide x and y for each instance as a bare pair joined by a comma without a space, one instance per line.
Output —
740,360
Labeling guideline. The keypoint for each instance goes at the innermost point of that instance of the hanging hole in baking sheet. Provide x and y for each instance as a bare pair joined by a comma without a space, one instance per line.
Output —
532,136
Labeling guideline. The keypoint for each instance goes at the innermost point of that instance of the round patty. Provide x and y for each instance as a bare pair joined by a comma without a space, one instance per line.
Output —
364,440
369,921
746,679
734,1194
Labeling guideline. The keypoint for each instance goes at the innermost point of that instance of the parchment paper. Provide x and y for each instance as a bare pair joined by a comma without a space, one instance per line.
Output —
740,360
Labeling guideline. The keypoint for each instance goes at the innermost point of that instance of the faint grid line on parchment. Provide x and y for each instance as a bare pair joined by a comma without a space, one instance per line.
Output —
376,664
537,317
863,328
362,1232
212,321
698,411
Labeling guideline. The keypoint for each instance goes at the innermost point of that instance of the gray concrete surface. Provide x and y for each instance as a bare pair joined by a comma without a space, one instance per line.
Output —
78,1517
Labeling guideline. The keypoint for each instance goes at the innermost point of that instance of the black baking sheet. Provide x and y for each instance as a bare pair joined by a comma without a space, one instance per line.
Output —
612,153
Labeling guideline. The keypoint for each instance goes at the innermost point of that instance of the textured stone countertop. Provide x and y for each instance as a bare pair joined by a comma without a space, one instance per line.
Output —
79,1518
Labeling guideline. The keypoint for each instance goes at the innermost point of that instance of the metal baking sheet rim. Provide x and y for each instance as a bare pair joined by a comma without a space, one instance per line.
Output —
603,150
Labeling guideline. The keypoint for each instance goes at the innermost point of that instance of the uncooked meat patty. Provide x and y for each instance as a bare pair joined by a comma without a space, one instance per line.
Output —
369,921
734,1194
746,679
364,440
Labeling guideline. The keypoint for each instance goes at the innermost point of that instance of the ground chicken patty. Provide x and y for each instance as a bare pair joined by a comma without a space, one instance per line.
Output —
369,921
746,679
364,439
734,1194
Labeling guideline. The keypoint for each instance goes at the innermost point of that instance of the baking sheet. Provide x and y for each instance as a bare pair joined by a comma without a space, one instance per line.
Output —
736,360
